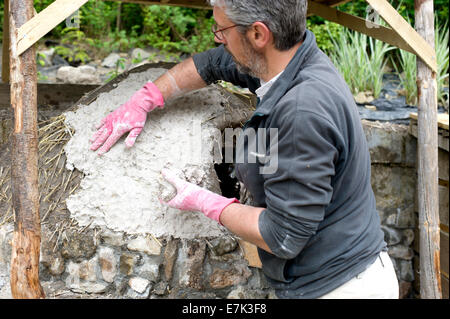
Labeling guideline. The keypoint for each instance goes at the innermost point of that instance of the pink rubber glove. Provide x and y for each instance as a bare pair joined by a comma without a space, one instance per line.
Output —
129,117
193,198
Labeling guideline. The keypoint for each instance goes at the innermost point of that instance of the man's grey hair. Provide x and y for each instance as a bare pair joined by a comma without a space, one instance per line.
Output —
286,19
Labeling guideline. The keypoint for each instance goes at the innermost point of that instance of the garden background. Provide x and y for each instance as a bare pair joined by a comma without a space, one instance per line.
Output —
177,32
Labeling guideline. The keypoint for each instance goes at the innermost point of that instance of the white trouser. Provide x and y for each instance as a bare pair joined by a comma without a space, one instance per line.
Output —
378,281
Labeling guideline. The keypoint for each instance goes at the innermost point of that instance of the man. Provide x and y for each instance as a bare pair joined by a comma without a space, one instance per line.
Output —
314,220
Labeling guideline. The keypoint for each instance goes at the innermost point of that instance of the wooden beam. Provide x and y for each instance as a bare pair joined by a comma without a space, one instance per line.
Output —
45,21
421,48
427,144
442,120
24,164
5,49
360,25
199,4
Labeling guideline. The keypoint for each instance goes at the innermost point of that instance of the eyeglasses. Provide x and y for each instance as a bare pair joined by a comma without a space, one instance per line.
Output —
219,33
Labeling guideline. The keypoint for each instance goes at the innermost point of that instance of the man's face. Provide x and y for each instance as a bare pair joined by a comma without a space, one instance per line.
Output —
247,59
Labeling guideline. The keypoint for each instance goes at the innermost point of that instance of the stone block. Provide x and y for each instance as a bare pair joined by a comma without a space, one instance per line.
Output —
145,245
401,252
108,263
109,237
404,269
80,246
88,269
81,75
237,274
405,289
138,284
190,261
394,187
149,270
391,236
242,292
223,245
408,237
170,255
390,143
127,263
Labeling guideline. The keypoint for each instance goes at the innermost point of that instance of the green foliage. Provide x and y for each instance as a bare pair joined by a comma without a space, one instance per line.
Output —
442,53
324,33
360,59
120,65
407,73
75,46
178,29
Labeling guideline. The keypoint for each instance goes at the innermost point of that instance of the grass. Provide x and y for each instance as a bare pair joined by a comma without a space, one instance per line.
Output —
360,59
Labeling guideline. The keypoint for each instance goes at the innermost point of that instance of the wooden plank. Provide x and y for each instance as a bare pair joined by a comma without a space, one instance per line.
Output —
421,48
5,48
45,21
427,162
442,119
59,95
360,25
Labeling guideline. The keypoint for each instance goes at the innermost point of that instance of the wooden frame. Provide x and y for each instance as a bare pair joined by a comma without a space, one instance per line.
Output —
45,21
401,34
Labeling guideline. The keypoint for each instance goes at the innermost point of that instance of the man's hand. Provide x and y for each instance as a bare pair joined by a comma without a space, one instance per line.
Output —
129,117
191,197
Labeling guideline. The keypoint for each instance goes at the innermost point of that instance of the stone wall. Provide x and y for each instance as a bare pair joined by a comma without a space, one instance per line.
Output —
97,263
393,155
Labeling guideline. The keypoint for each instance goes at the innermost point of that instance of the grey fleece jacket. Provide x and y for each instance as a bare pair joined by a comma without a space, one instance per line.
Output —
320,219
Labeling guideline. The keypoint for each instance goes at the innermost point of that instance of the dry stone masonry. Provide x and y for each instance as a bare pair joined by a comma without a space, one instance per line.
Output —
113,239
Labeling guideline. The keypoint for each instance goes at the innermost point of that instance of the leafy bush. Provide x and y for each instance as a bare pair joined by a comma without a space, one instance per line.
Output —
324,33
178,29
75,46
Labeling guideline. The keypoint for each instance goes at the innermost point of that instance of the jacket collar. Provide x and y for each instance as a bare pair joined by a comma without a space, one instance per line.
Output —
286,80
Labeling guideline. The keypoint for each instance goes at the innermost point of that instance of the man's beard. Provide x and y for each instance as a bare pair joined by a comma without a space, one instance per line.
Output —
255,64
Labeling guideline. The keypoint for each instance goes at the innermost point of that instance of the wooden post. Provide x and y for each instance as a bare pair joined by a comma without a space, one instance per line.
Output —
5,43
430,277
24,160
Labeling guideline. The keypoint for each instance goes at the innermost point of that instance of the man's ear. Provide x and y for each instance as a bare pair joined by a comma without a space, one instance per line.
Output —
259,35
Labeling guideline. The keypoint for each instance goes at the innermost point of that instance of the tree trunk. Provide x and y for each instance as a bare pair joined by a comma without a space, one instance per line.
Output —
430,278
24,161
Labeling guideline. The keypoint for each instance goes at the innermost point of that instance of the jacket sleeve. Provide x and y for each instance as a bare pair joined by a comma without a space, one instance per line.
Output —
217,64
299,191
